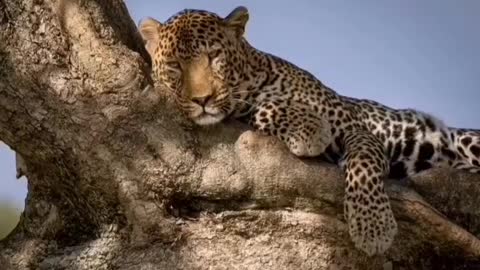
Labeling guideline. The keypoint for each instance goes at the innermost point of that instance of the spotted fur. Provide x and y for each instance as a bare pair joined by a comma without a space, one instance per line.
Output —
214,73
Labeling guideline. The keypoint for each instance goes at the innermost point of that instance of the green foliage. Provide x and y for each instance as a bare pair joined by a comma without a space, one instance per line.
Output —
9,217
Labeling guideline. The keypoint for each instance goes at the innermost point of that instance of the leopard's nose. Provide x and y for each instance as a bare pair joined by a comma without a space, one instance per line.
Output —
202,101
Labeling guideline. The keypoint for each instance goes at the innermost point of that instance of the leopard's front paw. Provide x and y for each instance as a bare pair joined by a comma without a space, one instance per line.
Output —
302,148
310,141
372,228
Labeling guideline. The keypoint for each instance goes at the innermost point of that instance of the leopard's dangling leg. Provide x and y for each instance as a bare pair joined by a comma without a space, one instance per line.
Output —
371,223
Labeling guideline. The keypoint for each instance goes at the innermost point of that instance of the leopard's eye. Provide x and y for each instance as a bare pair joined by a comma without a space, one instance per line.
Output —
173,65
213,54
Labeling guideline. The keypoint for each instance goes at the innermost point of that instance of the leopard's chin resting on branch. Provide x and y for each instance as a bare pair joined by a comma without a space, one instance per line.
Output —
119,179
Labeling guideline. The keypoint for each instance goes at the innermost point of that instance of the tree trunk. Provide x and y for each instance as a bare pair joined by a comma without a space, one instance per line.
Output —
118,179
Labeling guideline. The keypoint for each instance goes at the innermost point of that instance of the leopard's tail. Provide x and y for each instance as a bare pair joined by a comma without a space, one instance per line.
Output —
466,143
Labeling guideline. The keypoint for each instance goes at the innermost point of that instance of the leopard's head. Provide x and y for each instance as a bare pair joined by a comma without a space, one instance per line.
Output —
200,57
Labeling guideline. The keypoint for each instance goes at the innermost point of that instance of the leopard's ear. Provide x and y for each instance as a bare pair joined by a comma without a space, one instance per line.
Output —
237,20
149,30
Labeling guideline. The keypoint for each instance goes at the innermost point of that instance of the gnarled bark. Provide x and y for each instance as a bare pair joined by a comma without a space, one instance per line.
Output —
118,179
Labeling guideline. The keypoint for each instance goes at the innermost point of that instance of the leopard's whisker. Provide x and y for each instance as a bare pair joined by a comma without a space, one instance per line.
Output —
243,101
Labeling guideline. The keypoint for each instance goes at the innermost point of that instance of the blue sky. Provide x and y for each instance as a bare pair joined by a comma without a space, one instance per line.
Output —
405,54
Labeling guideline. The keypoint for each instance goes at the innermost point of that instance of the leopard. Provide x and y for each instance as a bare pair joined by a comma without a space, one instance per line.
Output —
212,71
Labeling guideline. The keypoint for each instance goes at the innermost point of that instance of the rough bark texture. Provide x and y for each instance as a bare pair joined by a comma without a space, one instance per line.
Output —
119,180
